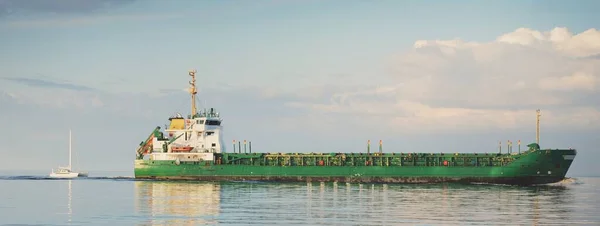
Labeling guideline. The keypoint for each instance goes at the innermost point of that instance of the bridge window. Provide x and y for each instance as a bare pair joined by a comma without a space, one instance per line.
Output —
200,122
209,133
213,122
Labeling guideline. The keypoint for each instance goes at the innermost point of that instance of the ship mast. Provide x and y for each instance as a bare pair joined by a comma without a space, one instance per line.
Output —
193,91
537,129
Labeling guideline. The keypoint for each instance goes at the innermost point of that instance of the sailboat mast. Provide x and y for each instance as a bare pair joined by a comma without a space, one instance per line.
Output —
69,149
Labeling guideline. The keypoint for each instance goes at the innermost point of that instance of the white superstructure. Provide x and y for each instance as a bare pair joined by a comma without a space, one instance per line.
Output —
193,138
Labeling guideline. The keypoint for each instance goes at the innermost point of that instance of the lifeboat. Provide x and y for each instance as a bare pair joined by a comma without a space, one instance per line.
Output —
182,149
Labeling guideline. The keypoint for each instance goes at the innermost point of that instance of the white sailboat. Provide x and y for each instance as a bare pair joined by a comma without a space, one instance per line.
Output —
66,172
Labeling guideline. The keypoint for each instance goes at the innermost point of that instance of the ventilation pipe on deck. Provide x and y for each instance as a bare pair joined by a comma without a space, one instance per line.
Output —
500,147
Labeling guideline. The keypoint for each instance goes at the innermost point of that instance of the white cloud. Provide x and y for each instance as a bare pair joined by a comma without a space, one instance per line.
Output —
455,84
586,43
577,81
523,36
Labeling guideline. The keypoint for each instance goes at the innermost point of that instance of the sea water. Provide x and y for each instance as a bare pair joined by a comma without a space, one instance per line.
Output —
113,200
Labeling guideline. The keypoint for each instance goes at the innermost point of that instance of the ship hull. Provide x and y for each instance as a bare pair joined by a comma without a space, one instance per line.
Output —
363,174
529,168
524,181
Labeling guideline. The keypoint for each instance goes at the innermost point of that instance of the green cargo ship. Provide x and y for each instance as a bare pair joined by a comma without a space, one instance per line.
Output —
191,148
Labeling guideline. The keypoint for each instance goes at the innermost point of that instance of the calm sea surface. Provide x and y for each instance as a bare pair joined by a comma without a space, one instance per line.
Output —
34,200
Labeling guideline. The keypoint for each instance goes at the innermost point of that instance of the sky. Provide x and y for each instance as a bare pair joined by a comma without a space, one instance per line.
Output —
298,76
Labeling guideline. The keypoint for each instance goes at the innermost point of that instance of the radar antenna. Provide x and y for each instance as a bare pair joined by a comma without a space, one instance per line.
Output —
193,91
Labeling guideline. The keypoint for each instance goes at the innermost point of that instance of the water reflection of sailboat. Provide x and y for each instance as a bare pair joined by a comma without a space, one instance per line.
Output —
70,196
177,203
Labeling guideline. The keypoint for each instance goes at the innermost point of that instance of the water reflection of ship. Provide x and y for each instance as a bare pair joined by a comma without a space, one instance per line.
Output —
451,203
177,203
550,204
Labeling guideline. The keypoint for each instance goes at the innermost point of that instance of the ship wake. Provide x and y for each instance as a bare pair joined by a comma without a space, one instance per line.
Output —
567,181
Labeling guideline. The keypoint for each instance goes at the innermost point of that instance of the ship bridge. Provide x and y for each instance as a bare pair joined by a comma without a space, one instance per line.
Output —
201,132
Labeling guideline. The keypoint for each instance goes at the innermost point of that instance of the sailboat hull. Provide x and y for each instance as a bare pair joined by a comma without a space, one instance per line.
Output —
64,175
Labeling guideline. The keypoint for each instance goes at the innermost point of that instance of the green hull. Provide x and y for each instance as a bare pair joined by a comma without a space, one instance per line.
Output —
532,167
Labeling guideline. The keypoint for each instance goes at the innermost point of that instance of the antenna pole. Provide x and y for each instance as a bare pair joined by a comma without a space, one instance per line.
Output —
193,91
537,129
69,148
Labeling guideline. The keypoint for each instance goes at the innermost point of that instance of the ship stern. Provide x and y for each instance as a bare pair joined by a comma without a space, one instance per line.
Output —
139,168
